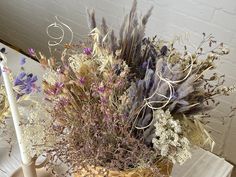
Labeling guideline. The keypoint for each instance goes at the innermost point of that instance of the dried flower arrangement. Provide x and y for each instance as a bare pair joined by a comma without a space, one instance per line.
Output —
121,106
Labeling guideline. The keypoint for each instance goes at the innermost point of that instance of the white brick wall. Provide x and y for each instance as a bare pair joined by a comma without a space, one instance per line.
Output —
225,19
23,24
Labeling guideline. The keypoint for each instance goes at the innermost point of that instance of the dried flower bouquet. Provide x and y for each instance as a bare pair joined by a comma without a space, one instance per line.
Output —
128,102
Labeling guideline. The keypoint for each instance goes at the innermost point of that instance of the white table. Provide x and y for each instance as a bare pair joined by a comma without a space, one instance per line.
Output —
202,164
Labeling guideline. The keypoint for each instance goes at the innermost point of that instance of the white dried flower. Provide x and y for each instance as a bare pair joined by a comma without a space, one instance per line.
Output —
168,139
50,76
74,62
36,129
182,155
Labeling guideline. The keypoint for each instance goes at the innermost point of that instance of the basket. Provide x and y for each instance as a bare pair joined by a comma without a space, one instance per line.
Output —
164,168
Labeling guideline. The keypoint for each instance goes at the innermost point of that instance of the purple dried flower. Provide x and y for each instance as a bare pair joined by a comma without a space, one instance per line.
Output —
17,82
82,80
57,88
34,79
101,89
63,102
22,61
19,79
87,51
25,84
59,84
103,100
31,52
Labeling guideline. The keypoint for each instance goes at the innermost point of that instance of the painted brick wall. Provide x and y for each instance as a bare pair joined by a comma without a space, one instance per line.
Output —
23,24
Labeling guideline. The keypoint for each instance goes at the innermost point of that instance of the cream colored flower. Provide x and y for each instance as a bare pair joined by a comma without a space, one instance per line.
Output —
168,139
50,76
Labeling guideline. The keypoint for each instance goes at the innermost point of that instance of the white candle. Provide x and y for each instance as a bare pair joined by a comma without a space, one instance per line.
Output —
26,159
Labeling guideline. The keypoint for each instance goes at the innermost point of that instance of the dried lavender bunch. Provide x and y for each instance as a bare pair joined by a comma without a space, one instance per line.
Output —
177,83
131,35
191,88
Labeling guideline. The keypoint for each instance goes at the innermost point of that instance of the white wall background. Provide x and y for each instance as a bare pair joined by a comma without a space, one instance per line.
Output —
23,24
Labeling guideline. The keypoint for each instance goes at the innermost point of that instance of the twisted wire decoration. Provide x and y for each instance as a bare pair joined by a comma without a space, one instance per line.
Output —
57,40
170,84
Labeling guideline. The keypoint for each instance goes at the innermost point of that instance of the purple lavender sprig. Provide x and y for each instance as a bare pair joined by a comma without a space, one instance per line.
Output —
87,51
25,84
31,52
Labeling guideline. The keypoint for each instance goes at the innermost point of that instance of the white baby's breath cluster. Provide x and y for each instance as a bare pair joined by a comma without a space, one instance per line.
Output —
36,128
75,61
168,139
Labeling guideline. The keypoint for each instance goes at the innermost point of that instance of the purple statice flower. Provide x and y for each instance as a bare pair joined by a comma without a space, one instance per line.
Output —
103,100
56,89
31,52
62,103
25,84
82,80
87,51
22,61
101,89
